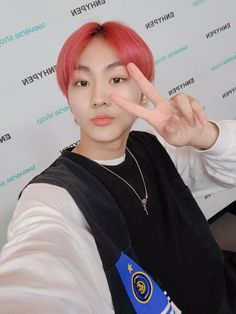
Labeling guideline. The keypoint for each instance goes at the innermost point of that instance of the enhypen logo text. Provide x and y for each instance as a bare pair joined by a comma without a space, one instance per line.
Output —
5,138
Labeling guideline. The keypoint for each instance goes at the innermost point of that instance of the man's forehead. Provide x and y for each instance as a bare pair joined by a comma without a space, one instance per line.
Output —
109,66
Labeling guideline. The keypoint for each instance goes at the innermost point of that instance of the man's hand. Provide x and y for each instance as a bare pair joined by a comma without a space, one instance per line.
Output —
180,121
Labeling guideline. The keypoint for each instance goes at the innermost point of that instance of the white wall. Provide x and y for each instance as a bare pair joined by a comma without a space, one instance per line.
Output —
192,41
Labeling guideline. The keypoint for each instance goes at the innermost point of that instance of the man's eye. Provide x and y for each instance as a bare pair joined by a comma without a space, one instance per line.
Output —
82,83
117,80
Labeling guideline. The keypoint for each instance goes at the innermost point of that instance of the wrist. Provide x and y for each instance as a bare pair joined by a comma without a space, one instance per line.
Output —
206,137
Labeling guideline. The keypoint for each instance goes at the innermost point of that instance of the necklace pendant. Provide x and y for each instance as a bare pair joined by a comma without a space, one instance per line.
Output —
145,199
144,203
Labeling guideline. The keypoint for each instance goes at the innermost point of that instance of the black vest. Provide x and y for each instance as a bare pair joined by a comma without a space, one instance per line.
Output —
132,289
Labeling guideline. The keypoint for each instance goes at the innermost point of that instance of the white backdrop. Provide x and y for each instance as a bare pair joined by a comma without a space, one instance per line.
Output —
194,46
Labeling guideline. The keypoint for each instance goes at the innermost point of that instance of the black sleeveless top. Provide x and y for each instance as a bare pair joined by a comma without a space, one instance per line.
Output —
173,243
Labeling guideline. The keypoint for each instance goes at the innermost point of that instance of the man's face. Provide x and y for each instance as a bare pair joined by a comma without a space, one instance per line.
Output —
99,74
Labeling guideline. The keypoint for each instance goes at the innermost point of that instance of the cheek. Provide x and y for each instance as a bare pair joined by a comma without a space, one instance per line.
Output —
75,109
78,111
72,106
75,102
127,117
133,93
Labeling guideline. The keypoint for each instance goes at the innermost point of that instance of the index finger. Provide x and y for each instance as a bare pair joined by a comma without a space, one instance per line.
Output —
145,85
131,107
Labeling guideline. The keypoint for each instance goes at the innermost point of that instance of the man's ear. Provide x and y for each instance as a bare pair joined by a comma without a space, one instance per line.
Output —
144,100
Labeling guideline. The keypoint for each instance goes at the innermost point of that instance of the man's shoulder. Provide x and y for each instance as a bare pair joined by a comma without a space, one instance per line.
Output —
144,140
53,170
142,134
51,175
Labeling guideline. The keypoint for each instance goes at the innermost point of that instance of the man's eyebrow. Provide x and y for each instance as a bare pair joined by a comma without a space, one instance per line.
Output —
114,65
81,67
110,66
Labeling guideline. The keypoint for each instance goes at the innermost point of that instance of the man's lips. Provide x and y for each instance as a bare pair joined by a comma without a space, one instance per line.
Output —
102,119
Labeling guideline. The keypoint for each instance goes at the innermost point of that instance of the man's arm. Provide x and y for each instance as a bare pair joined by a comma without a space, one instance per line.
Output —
211,170
203,152
50,263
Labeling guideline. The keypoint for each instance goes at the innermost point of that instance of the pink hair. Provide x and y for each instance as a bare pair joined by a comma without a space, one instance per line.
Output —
128,44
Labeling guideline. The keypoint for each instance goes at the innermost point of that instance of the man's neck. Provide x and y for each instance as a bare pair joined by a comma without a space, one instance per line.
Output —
101,150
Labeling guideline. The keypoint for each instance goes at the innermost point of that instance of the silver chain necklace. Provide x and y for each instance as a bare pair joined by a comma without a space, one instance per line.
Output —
142,200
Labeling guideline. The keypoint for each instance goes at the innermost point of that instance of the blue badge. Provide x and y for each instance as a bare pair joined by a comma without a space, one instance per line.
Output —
142,287
143,292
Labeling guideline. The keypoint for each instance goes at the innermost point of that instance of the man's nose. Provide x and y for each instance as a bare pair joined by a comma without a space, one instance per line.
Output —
101,96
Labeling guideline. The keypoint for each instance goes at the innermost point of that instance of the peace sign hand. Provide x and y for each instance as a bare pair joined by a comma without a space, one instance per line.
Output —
179,120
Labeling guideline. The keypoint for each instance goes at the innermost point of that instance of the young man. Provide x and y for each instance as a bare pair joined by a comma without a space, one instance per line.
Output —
111,226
